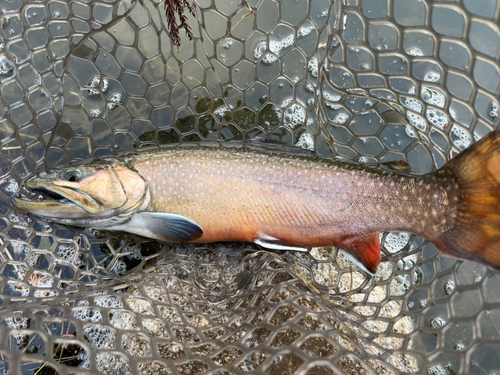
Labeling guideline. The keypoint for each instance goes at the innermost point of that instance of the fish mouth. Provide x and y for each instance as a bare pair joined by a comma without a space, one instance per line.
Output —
55,199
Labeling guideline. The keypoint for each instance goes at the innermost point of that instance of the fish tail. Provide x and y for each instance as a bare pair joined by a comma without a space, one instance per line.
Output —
476,233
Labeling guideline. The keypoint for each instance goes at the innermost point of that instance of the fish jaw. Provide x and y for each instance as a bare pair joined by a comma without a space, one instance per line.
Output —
72,203
97,195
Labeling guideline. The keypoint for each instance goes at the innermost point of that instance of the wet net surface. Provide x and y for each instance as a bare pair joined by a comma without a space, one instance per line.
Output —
370,80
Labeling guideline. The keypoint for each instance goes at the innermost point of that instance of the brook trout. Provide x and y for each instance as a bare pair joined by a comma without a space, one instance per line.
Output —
279,197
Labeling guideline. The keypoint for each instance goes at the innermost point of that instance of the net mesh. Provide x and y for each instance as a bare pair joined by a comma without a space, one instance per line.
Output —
372,80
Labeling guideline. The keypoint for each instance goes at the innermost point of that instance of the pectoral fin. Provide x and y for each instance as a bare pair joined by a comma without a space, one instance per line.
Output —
364,251
161,226
273,243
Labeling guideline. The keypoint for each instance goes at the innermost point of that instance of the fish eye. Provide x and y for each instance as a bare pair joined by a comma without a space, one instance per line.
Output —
73,175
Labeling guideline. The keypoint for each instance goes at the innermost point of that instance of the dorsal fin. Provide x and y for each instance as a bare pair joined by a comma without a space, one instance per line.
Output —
397,165
274,145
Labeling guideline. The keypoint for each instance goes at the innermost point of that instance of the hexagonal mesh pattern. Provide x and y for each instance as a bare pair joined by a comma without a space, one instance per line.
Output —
368,80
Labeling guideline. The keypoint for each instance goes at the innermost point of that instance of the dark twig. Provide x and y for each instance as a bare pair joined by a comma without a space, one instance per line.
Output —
171,8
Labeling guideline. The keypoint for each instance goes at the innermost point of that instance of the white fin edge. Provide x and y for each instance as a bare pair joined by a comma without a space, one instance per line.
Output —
355,261
276,246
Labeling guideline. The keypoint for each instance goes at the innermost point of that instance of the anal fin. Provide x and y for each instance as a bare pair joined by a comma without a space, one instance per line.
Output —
363,250
273,243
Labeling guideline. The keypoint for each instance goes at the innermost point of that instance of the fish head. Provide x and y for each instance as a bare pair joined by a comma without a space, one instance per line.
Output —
97,194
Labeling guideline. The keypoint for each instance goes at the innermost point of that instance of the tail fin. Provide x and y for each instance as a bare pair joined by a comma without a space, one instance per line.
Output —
476,234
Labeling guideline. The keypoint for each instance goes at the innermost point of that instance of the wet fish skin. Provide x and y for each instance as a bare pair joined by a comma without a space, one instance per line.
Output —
283,199
234,195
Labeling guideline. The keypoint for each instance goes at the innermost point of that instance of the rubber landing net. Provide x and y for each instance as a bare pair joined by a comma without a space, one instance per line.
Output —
368,80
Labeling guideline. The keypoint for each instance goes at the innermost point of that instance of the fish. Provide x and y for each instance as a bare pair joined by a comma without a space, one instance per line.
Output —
279,197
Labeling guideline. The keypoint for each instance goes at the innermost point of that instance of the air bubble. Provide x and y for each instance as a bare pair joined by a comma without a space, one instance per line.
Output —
94,82
460,137
436,323
416,121
66,252
10,186
437,370
494,111
17,322
449,287
400,286
6,67
306,141
260,50
414,52
437,118
95,112
295,115
433,97
275,47
312,66
304,30
340,118
88,315
413,104
432,77
395,241
400,265
115,99
330,97
221,112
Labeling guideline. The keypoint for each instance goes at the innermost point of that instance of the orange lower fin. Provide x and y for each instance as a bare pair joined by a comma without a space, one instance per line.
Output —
364,250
